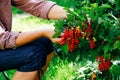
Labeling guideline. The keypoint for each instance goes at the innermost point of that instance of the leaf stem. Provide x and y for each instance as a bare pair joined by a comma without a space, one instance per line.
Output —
113,16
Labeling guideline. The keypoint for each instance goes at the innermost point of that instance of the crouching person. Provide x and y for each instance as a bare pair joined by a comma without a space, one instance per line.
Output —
28,52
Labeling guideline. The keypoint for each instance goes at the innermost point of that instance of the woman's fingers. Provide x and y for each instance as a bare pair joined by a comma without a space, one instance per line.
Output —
56,40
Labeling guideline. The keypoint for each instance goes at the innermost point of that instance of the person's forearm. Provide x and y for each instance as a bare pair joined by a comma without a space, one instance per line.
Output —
27,37
57,12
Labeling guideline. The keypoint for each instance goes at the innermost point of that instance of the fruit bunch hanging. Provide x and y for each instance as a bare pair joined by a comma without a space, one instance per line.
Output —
104,64
71,36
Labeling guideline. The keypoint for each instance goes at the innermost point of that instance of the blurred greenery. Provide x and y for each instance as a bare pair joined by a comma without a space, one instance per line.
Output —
9,73
65,3
16,11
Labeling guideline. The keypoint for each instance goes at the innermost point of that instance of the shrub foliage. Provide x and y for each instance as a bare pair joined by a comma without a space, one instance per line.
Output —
92,33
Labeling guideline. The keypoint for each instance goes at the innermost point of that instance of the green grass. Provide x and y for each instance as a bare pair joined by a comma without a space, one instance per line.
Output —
60,70
26,22
9,73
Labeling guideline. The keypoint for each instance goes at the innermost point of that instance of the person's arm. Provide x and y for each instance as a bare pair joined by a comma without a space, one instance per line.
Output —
27,37
16,39
41,8
8,39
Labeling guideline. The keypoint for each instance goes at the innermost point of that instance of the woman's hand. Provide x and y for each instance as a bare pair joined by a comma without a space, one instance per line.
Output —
49,32
56,40
57,12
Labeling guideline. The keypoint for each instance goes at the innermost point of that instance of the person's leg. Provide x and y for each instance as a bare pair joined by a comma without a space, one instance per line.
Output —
49,57
34,74
26,59
39,58
25,75
44,68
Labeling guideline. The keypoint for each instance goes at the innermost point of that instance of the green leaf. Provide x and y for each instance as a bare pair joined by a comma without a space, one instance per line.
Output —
117,45
105,6
115,69
107,48
95,5
107,55
100,20
117,2
65,48
87,71
59,23
92,55
57,34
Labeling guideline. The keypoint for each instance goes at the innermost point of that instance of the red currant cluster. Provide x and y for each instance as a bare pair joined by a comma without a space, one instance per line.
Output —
89,33
104,64
92,44
71,37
